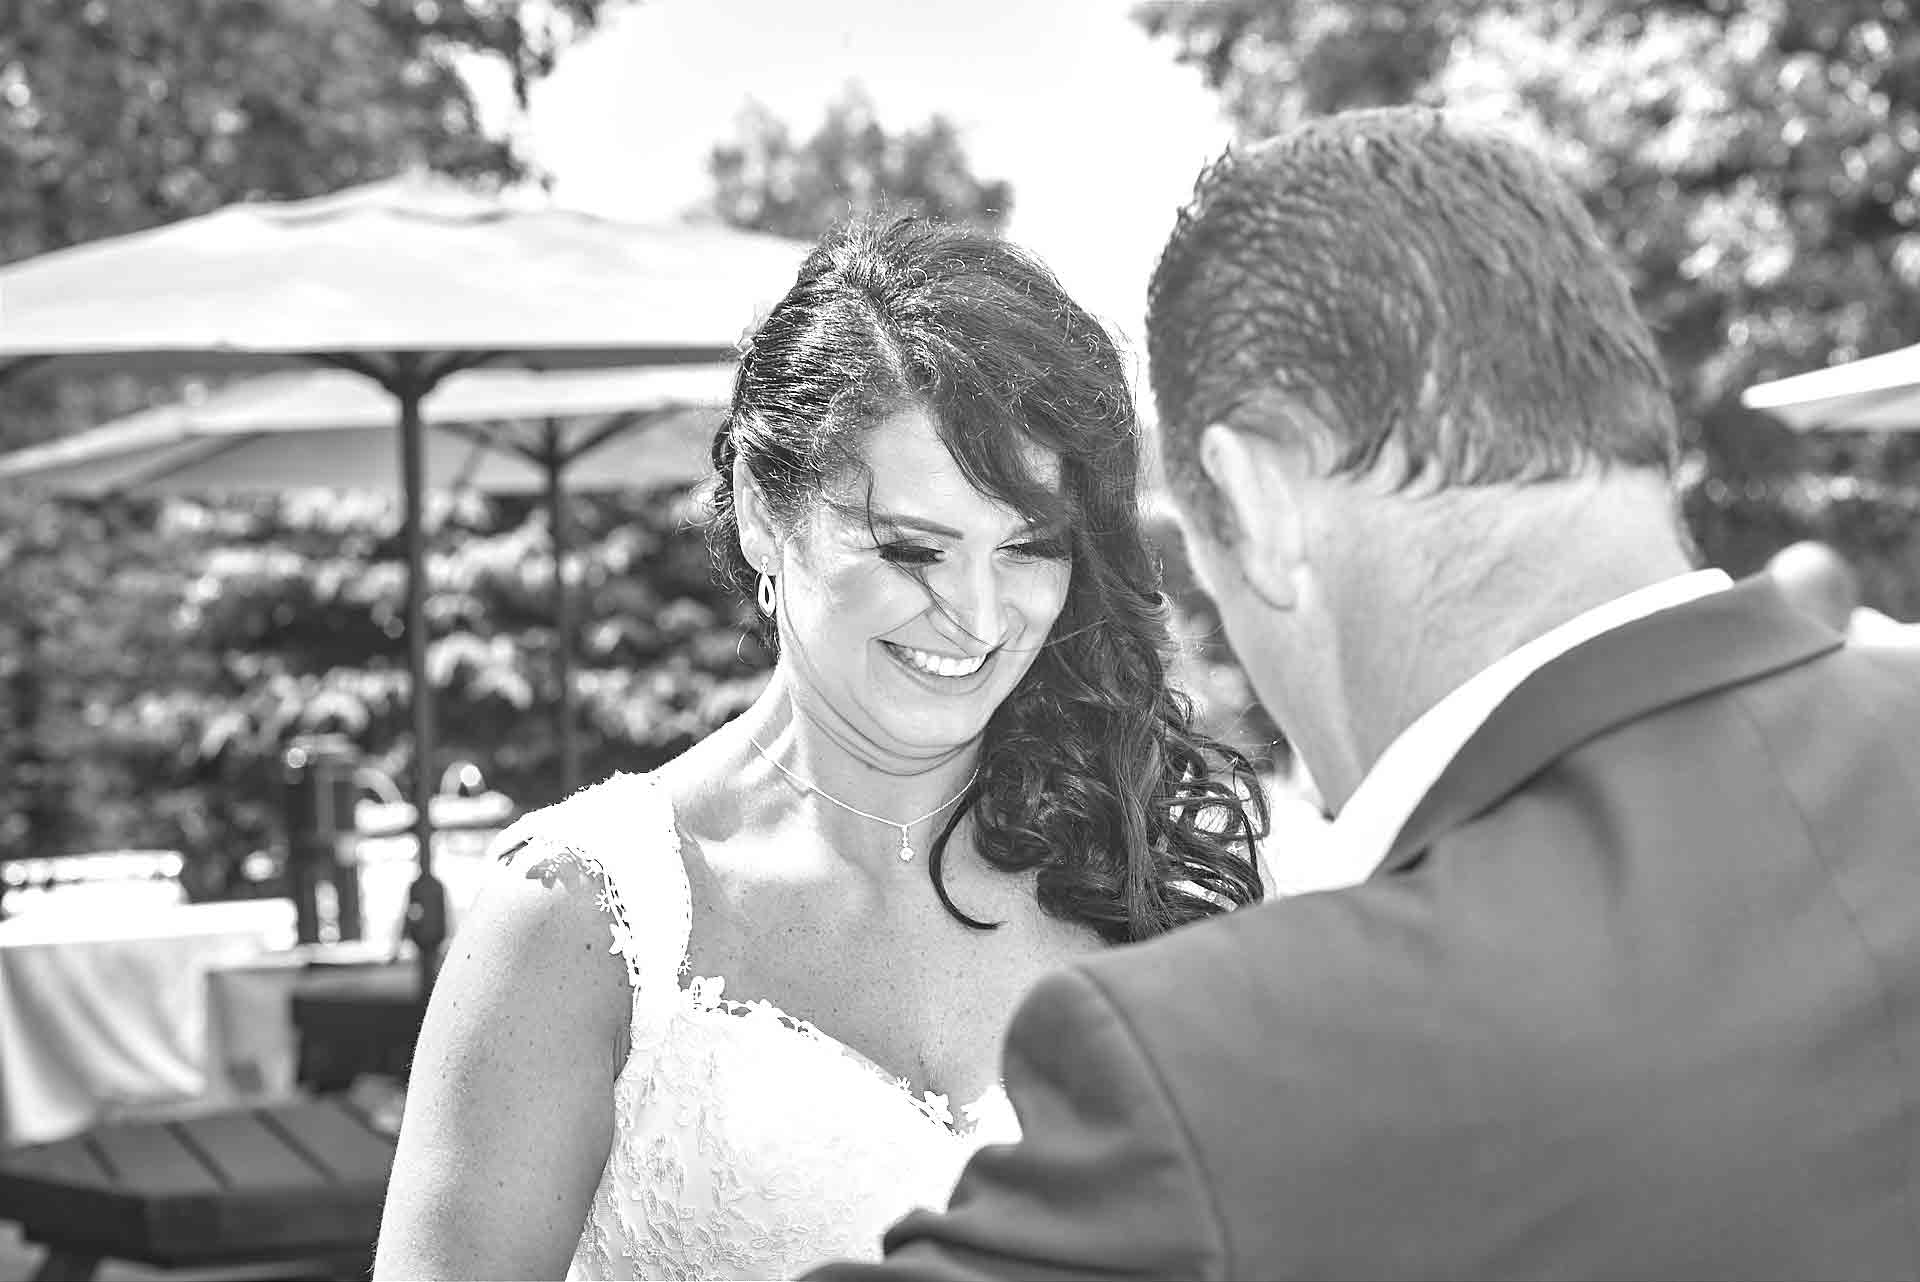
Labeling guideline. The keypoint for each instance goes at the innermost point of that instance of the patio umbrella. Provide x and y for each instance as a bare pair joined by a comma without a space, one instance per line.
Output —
1874,394
494,430
403,282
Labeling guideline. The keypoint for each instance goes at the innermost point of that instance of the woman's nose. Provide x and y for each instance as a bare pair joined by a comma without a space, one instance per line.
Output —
977,602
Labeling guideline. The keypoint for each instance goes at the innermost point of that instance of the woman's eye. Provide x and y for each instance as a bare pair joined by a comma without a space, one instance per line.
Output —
1040,550
908,554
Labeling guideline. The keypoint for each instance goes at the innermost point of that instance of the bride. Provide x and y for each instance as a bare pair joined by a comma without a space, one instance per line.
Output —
736,1016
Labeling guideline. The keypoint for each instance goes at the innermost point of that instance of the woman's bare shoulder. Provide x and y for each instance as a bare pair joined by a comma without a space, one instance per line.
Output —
539,938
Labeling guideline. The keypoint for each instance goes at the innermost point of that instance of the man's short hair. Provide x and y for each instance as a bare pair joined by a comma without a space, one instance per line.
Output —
1417,282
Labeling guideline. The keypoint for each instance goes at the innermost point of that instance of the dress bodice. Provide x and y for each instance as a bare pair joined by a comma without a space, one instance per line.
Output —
747,1142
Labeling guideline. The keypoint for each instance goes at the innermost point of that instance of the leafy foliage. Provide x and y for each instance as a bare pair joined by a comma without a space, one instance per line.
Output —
1754,164
122,114
131,709
234,627
766,181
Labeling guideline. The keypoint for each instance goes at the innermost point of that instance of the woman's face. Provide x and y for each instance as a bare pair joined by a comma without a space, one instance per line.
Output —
909,613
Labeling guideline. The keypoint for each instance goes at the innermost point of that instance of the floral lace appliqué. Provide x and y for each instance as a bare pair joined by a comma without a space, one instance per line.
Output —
747,1143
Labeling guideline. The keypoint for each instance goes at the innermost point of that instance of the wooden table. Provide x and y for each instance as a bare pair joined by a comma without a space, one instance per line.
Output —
297,1181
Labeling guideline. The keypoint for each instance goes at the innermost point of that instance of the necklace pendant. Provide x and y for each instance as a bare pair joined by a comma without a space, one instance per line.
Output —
906,848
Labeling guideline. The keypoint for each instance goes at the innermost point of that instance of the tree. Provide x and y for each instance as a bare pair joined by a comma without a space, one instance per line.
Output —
1753,164
294,610
115,116
1277,61
122,114
765,181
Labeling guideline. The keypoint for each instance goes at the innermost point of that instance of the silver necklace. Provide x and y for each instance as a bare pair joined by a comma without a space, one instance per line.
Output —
906,845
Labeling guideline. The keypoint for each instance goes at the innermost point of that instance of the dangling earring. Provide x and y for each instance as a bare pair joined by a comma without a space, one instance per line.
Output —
765,597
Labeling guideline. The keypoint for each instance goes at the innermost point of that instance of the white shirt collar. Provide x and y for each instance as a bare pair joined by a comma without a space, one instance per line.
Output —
1370,821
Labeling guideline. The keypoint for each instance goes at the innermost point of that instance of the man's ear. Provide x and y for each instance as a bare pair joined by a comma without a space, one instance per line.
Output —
1259,484
759,541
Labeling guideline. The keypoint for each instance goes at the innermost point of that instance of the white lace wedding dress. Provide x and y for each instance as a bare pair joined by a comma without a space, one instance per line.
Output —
747,1143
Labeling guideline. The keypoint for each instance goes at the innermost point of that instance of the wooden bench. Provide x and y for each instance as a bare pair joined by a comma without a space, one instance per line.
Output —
288,1182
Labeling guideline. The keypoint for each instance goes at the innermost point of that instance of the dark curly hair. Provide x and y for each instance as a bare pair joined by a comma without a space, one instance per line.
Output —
1092,772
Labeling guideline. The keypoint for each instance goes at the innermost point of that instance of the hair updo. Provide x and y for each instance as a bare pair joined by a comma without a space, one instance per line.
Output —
1091,770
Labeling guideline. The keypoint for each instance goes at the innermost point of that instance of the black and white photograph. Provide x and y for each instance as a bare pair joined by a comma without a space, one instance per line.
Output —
930,641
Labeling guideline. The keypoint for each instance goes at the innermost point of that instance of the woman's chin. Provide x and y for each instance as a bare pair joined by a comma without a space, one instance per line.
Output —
932,736
929,743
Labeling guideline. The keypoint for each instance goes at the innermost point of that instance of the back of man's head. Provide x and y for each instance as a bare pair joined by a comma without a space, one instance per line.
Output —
1818,580
1432,291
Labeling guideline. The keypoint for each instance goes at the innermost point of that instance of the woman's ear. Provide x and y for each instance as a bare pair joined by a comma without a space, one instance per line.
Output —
1261,518
759,542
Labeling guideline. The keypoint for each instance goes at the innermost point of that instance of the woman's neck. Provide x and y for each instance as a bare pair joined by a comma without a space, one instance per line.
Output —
858,791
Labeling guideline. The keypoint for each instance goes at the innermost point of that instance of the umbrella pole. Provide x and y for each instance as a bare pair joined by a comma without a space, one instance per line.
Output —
562,609
426,898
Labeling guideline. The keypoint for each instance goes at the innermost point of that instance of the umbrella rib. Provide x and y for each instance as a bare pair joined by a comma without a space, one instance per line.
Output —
454,362
539,454
616,426
480,437
349,361
21,366
420,366
209,450
1860,404
477,455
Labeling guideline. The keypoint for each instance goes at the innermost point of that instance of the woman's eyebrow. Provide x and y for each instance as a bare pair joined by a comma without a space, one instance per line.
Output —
904,521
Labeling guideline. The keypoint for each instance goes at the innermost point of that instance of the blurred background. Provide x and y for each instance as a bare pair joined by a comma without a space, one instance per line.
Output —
218,922
1753,163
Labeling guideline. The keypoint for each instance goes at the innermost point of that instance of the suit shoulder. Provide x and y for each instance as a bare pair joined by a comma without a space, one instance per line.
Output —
1279,953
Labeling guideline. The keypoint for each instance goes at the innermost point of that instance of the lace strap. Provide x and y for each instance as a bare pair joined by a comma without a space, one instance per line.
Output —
621,832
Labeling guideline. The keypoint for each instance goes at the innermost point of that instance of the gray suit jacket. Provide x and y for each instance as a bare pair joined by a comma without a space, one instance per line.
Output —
1636,994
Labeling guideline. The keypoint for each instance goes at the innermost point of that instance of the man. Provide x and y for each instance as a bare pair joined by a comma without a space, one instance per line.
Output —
1630,983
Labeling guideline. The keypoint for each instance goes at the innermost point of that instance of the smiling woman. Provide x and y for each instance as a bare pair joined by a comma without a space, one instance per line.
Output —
912,603
928,410
927,482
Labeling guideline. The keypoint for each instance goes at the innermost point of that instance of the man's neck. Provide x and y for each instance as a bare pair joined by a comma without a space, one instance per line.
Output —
1467,601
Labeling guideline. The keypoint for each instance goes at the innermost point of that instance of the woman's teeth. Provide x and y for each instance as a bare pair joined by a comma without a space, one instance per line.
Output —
940,665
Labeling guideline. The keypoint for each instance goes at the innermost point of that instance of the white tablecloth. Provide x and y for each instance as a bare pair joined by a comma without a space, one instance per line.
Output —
252,1049
107,1013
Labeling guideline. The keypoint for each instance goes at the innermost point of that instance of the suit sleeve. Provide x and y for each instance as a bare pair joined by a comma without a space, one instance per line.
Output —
1102,1184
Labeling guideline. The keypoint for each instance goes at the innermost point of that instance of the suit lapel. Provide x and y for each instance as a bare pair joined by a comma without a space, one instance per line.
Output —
1720,640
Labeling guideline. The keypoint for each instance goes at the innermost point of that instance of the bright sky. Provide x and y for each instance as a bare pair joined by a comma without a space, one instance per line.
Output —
1098,130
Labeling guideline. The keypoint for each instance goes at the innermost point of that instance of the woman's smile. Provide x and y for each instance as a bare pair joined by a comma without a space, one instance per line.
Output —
947,673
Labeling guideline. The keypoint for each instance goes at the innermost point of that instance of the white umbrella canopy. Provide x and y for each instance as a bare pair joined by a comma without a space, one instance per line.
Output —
415,265
1874,394
494,430
403,282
